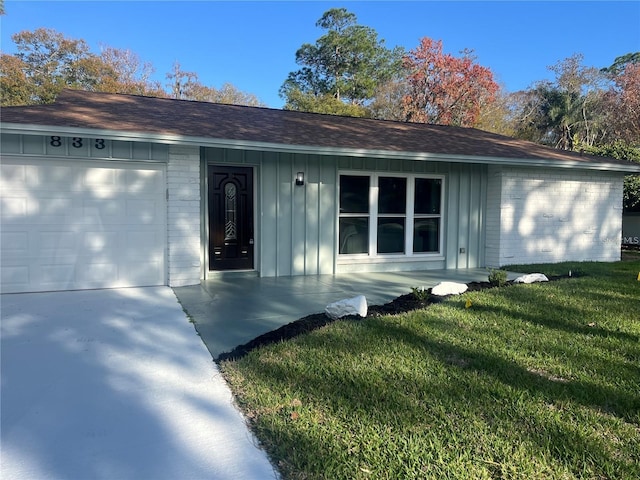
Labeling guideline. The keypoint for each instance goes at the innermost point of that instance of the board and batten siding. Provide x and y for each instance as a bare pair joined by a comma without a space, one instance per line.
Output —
552,215
463,213
296,226
76,147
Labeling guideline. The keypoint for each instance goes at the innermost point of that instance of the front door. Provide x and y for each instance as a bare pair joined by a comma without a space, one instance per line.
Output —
230,218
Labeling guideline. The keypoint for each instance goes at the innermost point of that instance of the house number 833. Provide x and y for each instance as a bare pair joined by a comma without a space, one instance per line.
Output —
77,142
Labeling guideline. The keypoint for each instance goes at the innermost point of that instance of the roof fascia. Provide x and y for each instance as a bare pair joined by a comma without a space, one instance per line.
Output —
32,129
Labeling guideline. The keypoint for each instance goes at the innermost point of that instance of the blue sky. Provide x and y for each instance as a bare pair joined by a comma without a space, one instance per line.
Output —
252,44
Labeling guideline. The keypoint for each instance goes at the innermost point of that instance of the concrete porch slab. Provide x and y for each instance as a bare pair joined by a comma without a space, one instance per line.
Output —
231,310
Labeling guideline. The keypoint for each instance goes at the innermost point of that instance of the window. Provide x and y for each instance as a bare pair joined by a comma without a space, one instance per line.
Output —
354,214
405,212
392,212
426,215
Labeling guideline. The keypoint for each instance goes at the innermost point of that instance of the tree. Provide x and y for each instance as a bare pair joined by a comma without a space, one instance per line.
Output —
566,113
388,98
125,72
228,94
47,62
497,116
327,104
622,104
51,62
181,83
621,62
445,89
628,85
186,86
345,64
15,88
622,150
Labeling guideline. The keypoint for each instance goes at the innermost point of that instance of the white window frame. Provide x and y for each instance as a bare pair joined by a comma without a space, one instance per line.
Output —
409,216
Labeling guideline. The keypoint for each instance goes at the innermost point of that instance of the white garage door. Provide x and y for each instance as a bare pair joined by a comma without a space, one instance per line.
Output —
81,224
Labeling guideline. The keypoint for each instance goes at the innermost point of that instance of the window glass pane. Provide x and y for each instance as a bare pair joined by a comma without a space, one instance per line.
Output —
354,235
426,235
391,235
354,194
392,195
230,207
428,193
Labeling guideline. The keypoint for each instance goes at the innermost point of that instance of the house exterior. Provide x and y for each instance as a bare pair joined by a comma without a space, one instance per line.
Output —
104,190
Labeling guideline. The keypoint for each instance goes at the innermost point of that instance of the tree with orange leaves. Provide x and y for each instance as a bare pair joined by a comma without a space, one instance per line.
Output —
445,89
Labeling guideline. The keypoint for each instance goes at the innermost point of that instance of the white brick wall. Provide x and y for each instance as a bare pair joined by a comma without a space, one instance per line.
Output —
552,215
492,225
183,216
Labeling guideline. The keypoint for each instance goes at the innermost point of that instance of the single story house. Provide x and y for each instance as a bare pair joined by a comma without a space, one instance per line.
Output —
103,190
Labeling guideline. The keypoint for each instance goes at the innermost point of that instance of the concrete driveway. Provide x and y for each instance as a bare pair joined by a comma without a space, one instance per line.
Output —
115,384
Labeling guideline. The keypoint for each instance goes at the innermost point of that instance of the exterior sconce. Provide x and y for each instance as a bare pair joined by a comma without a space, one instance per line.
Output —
300,178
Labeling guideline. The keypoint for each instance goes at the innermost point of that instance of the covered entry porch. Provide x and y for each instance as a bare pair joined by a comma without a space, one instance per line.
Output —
233,309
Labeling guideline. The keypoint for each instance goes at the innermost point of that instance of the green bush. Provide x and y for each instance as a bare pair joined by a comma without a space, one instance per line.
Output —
497,278
420,293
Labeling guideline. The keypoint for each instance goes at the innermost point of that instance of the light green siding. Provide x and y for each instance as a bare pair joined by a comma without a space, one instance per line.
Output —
296,226
466,190
82,147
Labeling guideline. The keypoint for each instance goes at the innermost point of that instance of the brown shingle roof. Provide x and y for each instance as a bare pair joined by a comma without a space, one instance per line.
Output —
160,116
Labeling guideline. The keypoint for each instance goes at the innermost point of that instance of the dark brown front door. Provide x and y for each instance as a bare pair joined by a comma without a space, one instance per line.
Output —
230,218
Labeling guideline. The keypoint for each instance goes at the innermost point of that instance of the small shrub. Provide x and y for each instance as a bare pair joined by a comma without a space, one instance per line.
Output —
420,293
497,278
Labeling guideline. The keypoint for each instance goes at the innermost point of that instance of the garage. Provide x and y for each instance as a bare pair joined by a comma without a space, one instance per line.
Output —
81,224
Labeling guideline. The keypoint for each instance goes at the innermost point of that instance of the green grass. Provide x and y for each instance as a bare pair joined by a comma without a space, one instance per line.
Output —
534,381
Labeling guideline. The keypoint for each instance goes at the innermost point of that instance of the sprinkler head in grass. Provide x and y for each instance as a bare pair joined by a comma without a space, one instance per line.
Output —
467,304
639,276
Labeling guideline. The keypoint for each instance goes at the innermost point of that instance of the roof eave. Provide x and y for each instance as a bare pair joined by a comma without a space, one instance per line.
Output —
33,129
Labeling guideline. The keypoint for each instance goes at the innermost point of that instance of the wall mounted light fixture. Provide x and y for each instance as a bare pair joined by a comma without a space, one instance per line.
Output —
300,178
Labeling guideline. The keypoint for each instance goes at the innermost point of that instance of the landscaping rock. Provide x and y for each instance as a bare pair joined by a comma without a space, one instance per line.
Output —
448,288
349,306
532,278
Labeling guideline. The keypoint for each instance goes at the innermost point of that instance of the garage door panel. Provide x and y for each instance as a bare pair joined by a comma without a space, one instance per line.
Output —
12,175
15,243
57,244
99,242
87,226
144,182
54,177
56,207
142,212
14,208
56,276
142,273
102,179
94,273
15,278
24,209
106,211
148,239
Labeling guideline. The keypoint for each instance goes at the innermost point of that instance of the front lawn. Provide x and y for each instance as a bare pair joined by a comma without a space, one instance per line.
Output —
534,381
